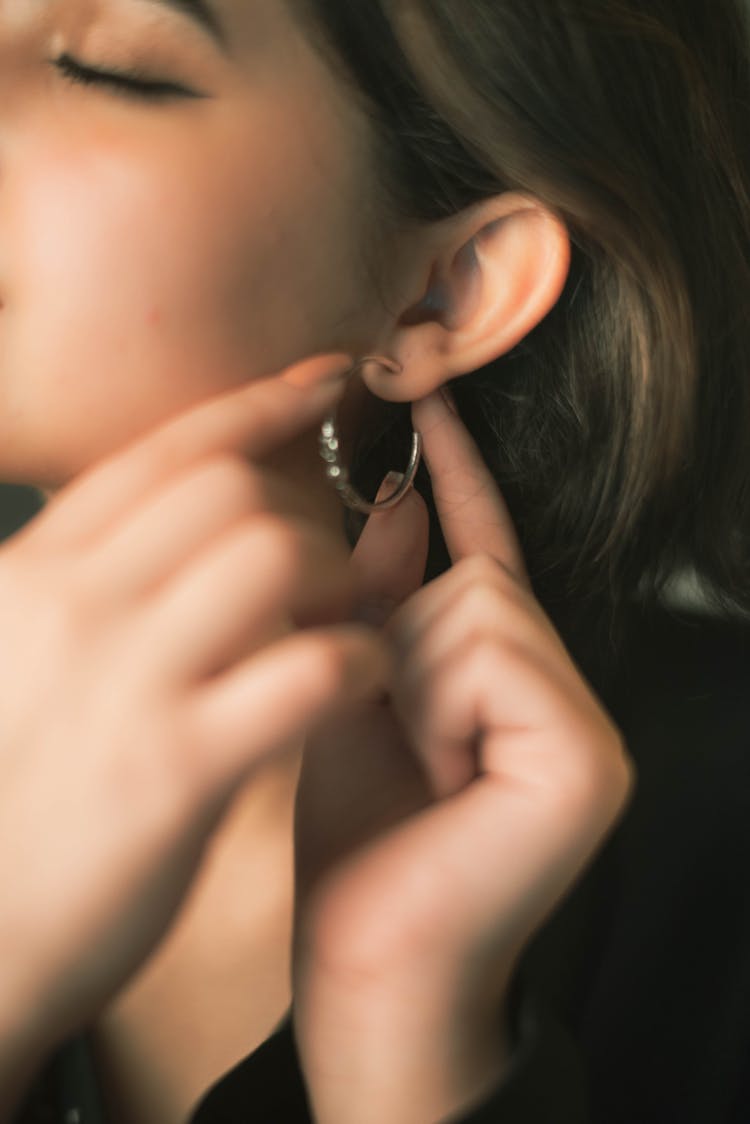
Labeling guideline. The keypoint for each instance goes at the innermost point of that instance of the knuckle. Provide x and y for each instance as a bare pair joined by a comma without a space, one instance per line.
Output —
622,765
481,646
597,770
485,574
474,602
329,666
499,615
480,567
484,649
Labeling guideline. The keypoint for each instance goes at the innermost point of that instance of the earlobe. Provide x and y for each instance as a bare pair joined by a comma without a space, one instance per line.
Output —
493,280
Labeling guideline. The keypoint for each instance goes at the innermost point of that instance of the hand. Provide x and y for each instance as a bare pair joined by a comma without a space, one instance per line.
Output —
438,829
154,615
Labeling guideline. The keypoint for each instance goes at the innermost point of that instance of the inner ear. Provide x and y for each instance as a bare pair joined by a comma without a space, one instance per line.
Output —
448,300
492,279
466,283
432,306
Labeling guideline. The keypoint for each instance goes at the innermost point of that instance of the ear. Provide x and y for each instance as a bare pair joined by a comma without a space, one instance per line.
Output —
493,273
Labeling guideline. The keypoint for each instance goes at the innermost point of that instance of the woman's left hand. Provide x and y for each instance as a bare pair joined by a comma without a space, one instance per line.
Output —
438,829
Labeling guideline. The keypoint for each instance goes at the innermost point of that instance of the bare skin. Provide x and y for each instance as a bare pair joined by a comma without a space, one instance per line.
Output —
179,227
161,700
220,982
158,252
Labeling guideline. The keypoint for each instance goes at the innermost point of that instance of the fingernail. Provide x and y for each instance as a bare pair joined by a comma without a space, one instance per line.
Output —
392,482
325,370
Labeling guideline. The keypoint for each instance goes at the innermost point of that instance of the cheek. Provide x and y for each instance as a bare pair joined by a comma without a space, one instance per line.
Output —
287,198
241,257
116,262
120,311
140,286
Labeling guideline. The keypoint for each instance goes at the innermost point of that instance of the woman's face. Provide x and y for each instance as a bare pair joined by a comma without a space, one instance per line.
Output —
160,245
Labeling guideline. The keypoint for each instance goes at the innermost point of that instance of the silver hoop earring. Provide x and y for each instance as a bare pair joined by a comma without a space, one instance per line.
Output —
338,474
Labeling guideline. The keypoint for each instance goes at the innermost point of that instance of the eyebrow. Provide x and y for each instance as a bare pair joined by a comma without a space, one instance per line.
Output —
202,13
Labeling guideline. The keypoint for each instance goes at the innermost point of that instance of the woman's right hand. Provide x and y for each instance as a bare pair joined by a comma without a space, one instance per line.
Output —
165,628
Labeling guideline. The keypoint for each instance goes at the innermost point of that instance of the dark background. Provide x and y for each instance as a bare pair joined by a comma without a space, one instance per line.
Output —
17,506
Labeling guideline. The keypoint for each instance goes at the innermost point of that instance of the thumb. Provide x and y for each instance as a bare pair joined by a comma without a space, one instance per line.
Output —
391,555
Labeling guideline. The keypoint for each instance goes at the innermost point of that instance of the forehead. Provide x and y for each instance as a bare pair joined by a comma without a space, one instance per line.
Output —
202,12
218,18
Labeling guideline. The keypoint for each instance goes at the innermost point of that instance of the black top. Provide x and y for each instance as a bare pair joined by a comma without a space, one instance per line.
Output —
632,1004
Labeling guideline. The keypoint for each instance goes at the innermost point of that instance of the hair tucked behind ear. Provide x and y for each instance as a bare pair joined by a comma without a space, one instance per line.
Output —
619,430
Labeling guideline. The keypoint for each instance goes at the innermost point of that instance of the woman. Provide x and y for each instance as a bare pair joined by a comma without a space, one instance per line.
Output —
546,207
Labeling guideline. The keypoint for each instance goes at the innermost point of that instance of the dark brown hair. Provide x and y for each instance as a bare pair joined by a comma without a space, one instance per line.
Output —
619,430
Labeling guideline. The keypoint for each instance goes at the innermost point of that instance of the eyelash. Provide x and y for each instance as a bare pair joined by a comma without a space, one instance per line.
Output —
120,81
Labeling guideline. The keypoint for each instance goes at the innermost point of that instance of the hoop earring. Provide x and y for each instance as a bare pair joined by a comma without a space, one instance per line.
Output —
337,473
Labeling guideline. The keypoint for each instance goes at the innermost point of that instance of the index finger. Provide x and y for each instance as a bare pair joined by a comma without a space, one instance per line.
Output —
253,420
473,514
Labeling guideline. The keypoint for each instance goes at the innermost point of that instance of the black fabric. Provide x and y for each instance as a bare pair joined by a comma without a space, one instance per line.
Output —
267,1086
546,1071
67,1091
632,1003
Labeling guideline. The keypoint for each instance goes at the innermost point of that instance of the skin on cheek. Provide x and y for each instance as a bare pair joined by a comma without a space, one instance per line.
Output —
159,260
297,198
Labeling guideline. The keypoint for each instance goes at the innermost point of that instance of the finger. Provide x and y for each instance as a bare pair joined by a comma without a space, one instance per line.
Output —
506,852
487,708
258,580
473,514
253,421
184,517
475,597
285,692
378,784
391,554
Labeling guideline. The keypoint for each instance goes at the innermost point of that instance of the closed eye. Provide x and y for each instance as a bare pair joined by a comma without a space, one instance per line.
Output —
123,82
